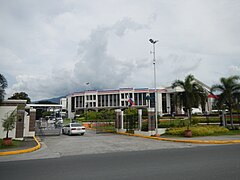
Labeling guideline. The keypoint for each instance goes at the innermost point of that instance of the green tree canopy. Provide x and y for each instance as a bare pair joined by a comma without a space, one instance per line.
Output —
228,90
193,94
3,86
9,122
21,95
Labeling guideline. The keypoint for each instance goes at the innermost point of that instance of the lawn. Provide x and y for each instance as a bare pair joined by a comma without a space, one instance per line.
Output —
15,144
202,131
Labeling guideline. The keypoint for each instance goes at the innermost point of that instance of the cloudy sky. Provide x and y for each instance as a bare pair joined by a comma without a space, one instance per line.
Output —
50,48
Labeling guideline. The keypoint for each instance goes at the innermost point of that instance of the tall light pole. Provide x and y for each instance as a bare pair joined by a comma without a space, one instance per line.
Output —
155,81
87,83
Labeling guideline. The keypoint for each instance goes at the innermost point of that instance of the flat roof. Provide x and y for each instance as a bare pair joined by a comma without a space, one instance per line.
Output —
44,105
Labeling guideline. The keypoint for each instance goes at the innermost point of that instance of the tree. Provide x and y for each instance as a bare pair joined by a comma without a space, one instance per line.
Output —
9,122
21,95
3,86
192,96
228,89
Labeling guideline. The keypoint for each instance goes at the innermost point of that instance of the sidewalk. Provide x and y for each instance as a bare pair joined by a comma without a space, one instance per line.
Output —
233,139
29,145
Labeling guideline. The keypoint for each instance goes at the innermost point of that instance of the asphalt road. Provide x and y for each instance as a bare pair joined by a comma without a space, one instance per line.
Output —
208,162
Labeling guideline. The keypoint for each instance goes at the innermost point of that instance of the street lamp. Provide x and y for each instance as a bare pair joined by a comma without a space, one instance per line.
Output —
87,83
155,84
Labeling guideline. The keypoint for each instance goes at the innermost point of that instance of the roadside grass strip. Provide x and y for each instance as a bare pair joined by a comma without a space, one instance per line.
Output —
185,140
38,146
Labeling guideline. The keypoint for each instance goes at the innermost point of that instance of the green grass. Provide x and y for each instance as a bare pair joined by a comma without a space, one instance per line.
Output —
202,131
15,144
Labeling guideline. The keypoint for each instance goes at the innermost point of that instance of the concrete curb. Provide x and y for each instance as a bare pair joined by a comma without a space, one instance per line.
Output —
184,140
38,146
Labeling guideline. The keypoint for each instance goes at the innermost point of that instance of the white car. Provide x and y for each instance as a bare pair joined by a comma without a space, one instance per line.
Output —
73,128
59,120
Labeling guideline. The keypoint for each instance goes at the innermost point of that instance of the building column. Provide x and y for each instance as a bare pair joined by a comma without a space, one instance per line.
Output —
159,107
104,100
168,99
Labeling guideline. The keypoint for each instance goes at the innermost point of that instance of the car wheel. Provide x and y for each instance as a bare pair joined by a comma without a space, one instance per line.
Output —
82,134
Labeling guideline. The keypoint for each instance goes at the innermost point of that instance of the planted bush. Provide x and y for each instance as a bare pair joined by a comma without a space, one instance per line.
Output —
197,130
144,126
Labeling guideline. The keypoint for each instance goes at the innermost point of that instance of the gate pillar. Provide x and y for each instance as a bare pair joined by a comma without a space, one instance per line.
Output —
139,119
118,120
151,120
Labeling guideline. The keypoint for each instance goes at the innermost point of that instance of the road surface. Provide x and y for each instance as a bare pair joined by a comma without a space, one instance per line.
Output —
203,162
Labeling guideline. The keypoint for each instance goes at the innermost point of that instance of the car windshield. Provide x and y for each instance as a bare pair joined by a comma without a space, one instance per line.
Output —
76,125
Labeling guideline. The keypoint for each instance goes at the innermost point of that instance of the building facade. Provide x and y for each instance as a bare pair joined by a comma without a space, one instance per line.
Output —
79,102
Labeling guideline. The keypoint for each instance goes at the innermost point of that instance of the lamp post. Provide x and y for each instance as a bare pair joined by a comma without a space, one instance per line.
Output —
155,84
87,83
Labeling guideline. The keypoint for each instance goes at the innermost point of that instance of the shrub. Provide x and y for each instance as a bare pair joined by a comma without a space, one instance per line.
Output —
198,130
144,126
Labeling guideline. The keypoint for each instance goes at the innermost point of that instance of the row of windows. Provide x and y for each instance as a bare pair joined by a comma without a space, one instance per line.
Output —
113,100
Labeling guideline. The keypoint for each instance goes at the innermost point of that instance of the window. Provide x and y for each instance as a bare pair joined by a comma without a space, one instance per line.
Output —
164,102
73,104
152,100
140,99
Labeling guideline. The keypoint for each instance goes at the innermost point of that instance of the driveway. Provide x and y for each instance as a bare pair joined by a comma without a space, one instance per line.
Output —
92,143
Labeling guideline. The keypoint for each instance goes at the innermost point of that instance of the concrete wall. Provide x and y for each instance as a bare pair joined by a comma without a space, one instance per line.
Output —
27,133
25,123
3,113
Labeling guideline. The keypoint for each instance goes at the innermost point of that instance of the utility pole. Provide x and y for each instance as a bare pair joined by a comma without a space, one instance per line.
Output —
155,81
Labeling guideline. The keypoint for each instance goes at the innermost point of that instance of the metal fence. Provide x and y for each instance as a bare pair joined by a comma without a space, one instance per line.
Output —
104,126
46,128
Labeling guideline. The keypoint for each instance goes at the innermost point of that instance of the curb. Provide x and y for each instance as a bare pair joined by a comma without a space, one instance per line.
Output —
38,146
185,141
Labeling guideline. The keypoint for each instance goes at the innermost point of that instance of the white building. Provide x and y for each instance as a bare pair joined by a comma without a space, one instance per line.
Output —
63,102
79,102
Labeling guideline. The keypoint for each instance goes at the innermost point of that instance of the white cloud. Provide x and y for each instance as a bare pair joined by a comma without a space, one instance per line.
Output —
51,48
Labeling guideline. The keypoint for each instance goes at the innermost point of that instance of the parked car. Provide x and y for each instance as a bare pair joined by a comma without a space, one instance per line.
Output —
73,128
59,120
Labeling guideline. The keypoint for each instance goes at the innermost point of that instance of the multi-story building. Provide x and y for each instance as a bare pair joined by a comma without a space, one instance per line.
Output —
79,102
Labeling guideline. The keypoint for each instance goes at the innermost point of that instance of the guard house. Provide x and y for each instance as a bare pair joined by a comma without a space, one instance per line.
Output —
25,119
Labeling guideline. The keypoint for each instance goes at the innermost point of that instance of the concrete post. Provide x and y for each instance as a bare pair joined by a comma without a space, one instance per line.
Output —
139,119
32,120
151,120
121,120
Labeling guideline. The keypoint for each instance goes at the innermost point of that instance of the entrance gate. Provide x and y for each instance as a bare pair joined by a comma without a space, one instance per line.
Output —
130,123
104,126
45,128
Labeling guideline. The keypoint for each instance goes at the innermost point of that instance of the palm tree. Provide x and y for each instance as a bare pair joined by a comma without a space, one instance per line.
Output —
228,90
193,94
3,86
